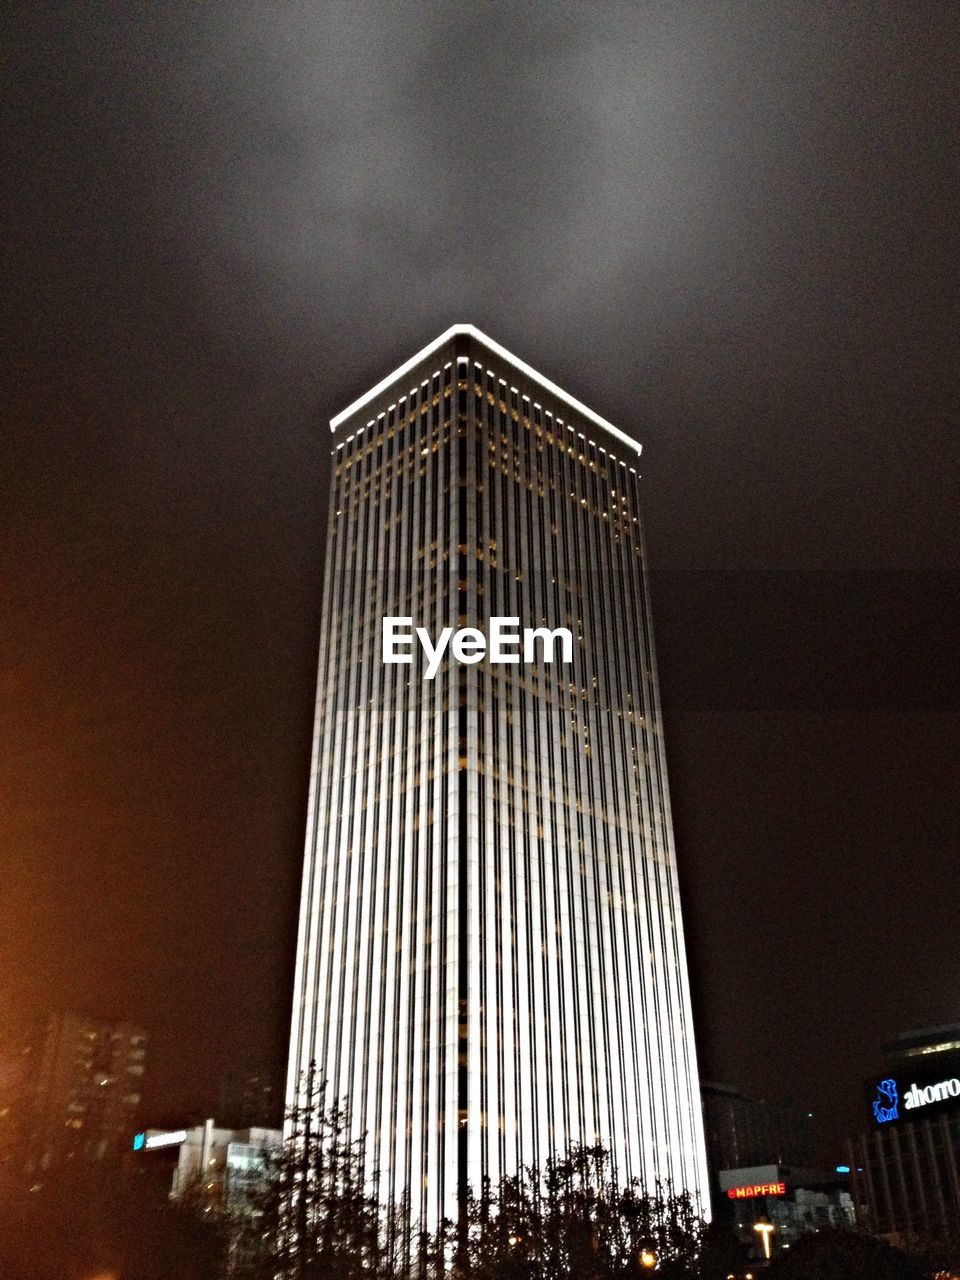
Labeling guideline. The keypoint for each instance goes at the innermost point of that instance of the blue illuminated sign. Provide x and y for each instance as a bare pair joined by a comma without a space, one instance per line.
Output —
843,1168
138,1141
886,1105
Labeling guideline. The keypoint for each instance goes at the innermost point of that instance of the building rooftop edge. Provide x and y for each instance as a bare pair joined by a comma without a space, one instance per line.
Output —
472,331
949,1028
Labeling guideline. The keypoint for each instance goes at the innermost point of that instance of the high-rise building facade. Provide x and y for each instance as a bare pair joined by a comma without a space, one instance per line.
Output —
906,1166
491,958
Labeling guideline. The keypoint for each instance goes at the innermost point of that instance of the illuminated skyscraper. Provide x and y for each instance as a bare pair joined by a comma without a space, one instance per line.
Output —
491,959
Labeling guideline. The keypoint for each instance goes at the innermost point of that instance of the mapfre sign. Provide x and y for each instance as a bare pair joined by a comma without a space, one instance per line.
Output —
758,1189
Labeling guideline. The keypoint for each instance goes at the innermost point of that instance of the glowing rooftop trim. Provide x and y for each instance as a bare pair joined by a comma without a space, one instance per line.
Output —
471,331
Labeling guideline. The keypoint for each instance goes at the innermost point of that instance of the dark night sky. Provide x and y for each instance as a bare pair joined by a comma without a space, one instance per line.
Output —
728,228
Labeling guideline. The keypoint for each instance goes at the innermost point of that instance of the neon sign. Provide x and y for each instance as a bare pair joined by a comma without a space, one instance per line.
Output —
154,1138
886,1106
899,1101
756,1190
923,1096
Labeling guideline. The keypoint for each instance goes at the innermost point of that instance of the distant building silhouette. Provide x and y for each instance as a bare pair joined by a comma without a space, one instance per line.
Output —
252,1101
743,1132
20,1049
87,1090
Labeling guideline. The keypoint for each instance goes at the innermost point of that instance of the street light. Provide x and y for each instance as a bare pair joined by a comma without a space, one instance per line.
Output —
648,1259
766,1230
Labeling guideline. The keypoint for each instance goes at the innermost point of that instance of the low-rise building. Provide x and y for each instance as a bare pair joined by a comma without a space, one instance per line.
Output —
790,1200
222,1166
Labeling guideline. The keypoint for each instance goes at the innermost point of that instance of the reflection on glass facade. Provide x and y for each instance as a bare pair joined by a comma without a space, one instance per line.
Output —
491,958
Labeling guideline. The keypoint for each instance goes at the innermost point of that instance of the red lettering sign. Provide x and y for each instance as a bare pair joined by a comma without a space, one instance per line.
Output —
758,1189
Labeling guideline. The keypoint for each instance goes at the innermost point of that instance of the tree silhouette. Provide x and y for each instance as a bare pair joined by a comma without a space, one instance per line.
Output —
572,1219
836,1254
315,1213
